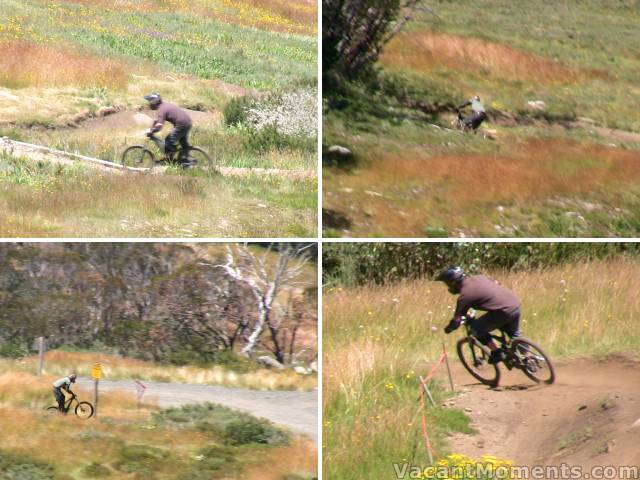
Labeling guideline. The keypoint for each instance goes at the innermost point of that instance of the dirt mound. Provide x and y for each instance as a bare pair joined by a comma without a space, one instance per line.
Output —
586,418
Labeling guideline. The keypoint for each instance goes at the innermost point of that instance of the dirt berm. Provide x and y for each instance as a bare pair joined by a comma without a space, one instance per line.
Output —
589,417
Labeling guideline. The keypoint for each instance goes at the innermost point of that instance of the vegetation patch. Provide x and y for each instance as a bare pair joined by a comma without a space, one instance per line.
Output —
233,427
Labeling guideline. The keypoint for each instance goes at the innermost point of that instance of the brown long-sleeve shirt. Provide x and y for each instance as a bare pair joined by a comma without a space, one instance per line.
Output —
482,293
173,114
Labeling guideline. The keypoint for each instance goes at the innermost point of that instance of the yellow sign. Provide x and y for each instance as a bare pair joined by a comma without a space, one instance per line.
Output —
96,371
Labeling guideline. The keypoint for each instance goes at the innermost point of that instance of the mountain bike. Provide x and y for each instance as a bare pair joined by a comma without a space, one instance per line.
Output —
458,123
83,410
142,156
520,353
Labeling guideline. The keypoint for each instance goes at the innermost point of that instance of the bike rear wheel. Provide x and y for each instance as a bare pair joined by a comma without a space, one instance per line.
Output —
138,156
533,361
201,159
476,361
53,410
84,410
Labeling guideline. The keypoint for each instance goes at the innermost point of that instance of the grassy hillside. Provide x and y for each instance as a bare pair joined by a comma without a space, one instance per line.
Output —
129,441
74,73
239,373
385,335
570,168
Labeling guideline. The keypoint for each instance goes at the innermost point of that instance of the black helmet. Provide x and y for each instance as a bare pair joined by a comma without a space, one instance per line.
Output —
452,277
154,99
73,377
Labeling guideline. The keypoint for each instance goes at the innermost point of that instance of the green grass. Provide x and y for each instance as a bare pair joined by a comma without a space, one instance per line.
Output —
67,201
370,411
181,41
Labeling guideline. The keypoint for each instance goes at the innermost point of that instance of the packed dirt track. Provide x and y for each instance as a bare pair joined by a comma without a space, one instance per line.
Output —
589,417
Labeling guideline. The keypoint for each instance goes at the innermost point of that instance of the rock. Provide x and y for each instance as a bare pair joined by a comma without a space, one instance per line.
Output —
270,362
468,409
373,194
301,370
586,120
340,150
536,105
582,407
347,190
500,208
105,111
314,366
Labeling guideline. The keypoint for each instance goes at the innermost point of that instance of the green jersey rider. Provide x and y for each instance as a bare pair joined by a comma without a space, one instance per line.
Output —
478,116
61,384
482,293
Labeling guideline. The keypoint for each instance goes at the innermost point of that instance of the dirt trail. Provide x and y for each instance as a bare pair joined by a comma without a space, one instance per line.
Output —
295,410
586,418
44,154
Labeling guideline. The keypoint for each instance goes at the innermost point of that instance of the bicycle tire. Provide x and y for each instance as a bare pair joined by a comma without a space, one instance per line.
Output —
552,373
138,156
53,409
84,410
202,159
492,380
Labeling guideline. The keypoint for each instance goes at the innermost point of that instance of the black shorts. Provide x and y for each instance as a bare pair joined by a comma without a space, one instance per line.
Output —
475,120
507,322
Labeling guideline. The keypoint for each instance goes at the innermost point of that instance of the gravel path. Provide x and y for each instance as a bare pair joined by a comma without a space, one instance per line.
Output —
298,411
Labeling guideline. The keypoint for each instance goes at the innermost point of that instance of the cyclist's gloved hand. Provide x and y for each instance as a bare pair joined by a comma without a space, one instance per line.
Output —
149,133
453,325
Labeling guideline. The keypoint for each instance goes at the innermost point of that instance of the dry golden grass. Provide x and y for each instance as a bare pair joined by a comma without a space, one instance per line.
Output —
25,64
424,51
60,363
530,171
576,309
300,457
275,15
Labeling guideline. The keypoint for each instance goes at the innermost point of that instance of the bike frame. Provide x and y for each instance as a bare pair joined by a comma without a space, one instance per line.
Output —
67,406
503,340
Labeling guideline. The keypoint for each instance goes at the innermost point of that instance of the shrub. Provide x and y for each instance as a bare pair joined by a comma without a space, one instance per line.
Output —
269,138
96,470
235,112
15,466
142,459
251,430
233,427
13,350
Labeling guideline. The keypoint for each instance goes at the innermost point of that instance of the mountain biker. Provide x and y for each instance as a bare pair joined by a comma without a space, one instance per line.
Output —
482,293
63,383
478,116
181,126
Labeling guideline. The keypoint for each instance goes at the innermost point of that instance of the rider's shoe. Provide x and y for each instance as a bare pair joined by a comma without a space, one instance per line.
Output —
496,356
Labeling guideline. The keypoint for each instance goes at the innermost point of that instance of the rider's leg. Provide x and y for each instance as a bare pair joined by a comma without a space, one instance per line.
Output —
171,142
59,398
184,144
481,328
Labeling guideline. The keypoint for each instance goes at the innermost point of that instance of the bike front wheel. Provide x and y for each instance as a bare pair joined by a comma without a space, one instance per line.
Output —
533,361
138,156
476,360
201,159
84,410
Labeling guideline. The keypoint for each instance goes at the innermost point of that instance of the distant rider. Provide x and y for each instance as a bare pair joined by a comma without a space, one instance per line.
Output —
61,384
181,126
477,116
482,293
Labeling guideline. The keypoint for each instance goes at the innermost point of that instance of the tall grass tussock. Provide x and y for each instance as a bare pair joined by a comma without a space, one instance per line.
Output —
24,64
